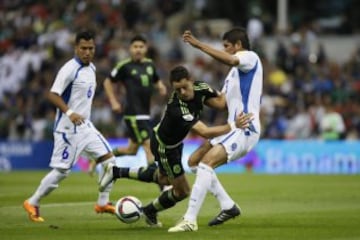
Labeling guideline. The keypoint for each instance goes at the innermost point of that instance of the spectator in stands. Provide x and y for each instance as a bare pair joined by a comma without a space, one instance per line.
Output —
332,125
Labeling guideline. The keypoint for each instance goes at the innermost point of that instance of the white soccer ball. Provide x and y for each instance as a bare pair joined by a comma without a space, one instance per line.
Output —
128,209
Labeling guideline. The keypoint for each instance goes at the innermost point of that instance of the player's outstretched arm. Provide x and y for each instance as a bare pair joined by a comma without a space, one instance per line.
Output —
241,121
205,131
219,55
218,102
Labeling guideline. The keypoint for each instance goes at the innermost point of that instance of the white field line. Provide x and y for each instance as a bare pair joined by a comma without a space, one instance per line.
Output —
68,204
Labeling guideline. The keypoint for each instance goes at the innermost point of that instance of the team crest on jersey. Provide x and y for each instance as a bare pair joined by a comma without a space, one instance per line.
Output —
133,72
177,169
149,70
144,134
89,92
233,146
188,117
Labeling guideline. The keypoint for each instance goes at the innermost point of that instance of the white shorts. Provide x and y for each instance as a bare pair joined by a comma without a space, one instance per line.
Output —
69,146
236,143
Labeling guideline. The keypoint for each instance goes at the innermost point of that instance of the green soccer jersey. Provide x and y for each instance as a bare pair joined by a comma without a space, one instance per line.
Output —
138,79
180,116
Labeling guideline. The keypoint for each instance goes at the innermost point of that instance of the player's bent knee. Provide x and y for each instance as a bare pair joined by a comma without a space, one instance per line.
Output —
62,173
181,193
192,162
182,196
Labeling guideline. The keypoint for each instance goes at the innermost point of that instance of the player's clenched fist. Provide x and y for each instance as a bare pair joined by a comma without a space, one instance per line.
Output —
189,38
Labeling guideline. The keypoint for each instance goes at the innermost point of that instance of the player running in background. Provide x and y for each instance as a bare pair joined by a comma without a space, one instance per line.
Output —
139,77
181,115
243,89
72,93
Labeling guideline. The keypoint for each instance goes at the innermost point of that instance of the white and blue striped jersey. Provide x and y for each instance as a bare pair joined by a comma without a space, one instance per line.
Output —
243,88
76,84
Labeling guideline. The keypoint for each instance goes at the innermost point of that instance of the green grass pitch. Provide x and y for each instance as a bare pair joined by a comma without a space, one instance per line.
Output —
274,207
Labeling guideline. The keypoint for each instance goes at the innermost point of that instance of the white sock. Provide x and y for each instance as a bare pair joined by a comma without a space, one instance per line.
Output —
47,185
104,196
219,192
199,190
134,172
101,167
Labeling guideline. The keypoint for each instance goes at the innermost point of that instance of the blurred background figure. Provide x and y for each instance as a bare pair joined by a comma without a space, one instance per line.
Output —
332,125
307,52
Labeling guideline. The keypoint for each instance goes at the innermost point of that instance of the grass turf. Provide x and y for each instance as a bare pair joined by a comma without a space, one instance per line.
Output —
274,207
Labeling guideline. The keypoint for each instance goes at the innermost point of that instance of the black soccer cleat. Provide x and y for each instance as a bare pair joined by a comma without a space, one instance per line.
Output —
151,218
225,215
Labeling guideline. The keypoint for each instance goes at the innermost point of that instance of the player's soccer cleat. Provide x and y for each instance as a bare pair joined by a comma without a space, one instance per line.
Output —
107,177
151,218
33,211
108,208
225,215
184,226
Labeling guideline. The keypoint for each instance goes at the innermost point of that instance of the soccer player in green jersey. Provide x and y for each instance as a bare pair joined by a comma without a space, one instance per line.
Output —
139,77
182,115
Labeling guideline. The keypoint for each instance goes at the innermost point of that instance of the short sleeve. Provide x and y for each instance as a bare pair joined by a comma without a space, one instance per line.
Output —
63,79
247,60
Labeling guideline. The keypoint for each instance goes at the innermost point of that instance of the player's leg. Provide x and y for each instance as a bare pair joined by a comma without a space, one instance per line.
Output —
142,132
137,131
169,165
97,147
244,142
197,155
131,149
202,184
167,199
104,204
63,157
148,153
143,173
229,209
147,174
92,167
47,185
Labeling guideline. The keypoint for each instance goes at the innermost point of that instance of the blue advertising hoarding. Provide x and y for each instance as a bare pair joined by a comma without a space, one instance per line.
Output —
24,155
269,157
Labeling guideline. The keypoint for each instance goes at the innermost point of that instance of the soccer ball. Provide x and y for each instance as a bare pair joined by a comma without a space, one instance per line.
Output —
128,209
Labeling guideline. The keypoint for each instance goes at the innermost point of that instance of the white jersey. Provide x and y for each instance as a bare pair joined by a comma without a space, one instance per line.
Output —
243,88
76,84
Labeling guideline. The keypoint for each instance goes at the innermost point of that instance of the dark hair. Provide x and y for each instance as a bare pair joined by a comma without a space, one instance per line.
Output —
178,73
237,34
138,38
86,35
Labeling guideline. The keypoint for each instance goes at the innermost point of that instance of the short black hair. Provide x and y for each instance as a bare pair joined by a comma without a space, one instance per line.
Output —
238,34
178,73
85,34
138,38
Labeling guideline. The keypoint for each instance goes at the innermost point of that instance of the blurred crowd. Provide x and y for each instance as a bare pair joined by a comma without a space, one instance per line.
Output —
306,95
